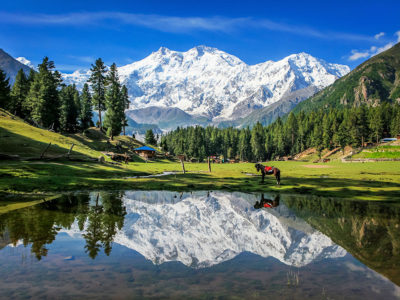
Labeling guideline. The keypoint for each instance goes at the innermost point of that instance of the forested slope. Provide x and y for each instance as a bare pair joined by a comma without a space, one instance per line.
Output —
373,82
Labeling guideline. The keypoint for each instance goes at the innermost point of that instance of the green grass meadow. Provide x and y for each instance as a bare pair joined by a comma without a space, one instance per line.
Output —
367,181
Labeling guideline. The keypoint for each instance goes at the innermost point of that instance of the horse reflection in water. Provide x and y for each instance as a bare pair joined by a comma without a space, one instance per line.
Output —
268,203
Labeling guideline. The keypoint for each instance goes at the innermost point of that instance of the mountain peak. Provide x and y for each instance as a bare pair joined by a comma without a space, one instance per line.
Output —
163,51
201,49
208,82
11,66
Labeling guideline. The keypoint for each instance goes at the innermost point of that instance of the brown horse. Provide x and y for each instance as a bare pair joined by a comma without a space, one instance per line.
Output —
264,172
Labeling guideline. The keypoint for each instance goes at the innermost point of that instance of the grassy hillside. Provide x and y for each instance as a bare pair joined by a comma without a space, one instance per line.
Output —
18,137
376,80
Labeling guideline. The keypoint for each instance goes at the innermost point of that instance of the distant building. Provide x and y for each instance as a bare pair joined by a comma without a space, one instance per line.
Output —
386,140
145,152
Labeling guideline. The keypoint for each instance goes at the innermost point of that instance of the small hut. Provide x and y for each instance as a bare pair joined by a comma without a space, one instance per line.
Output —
145,152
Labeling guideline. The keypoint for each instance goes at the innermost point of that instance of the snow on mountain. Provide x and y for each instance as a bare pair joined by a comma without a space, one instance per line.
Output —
26,62
79,78
209,82
201,230
11,66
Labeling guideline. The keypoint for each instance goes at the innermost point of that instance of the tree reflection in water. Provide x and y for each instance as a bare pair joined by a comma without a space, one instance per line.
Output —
366,229
39,225
103,220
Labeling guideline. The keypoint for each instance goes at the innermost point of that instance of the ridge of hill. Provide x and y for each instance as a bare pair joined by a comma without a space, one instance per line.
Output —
375,81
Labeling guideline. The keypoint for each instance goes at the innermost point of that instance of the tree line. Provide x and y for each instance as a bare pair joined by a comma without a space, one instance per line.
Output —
322,129
44,101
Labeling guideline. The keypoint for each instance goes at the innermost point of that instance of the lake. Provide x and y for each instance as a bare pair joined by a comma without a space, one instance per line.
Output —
200,245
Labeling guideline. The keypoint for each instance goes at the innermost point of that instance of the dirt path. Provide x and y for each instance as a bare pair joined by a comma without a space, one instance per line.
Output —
316,166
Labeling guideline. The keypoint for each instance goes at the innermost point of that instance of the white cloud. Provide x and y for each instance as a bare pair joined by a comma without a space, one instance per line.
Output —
172,23
383,48
357,55
379,35
374,50
398,36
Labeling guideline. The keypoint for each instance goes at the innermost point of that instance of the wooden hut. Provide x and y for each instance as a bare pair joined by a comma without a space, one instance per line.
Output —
145,152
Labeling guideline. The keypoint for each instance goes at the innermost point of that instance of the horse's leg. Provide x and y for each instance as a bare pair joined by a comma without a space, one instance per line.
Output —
278,177
263,175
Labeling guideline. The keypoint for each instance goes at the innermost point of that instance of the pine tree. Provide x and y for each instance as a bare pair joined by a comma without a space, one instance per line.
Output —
86,114
257,142
292,129
115,112
395,124
69,111
125,100
5,98
376,122
97,81
149,138
326,131
43,99
362,123
19,92
245,153
342,135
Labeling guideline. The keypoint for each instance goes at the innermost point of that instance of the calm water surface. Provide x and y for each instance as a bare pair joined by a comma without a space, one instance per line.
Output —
207,245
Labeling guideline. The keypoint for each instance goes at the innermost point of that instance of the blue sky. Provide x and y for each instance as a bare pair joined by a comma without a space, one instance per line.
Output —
75,33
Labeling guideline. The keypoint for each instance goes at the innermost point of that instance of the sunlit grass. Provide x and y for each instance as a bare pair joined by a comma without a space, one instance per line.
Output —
369,181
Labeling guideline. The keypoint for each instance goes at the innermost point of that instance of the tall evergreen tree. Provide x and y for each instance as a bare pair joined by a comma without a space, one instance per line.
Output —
19,92
86,114
395,124
43,99
125,100
376,122
150,139
292,129
5,99
257,142
69,111
342,135
115,105
31,76
245,153
362,123
97,81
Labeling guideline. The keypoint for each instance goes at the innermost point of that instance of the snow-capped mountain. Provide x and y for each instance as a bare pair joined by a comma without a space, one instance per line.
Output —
26,62
11,66
202,230
209,82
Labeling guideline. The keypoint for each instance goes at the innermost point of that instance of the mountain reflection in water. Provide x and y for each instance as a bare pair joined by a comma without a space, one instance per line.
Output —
203,229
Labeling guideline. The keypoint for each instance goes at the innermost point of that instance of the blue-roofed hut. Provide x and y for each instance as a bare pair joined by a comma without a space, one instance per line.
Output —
146,152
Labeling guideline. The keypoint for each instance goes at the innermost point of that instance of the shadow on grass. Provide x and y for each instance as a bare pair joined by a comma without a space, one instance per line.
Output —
343,188
60,176
13,143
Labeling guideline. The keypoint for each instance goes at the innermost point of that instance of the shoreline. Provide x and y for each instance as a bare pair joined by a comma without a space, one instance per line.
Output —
373,181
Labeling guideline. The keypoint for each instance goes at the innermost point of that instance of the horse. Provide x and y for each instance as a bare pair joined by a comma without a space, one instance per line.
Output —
268,203
264,172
